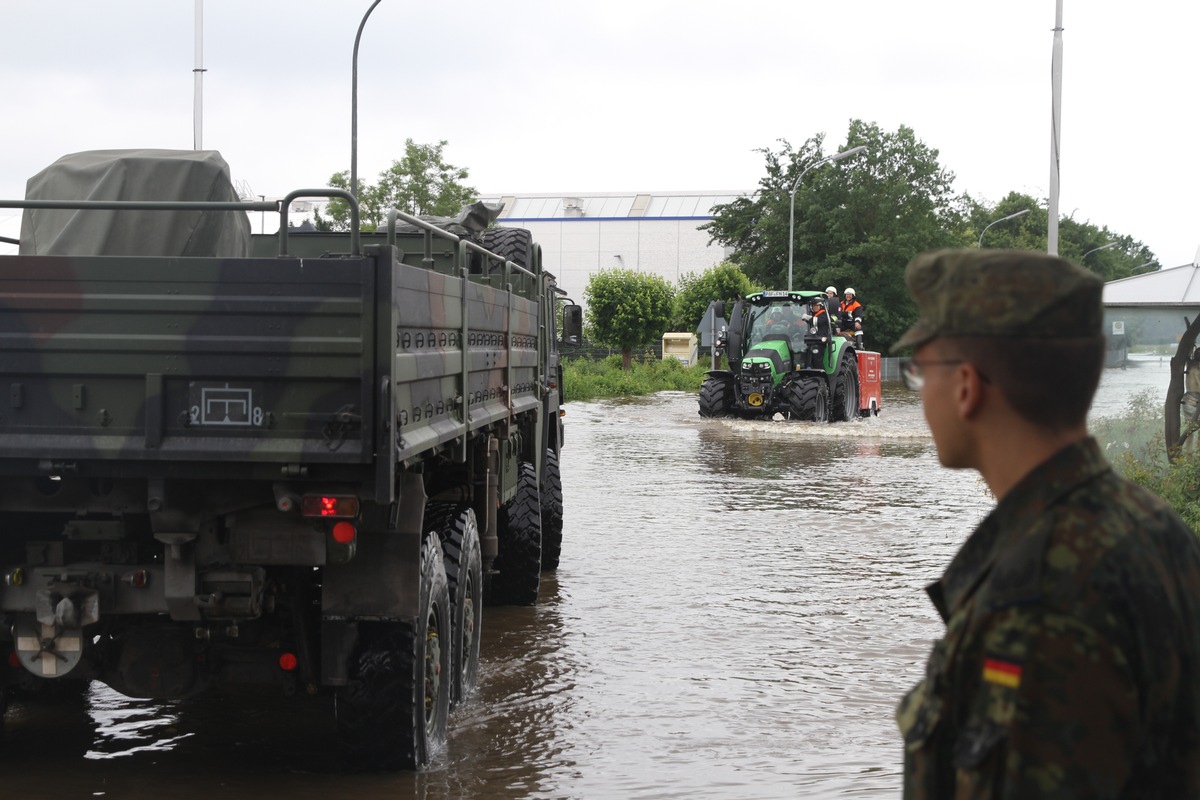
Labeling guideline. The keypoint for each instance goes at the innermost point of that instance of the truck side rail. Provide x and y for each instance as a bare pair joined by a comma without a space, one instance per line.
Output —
464,248
279,206
351,200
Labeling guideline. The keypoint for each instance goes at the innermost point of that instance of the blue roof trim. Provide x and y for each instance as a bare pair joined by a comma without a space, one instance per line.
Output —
594,219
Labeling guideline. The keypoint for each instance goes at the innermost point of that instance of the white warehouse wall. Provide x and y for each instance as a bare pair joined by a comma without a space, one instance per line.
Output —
652,232
575,249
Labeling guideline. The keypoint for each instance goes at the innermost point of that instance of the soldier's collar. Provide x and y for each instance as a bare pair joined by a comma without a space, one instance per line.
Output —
1010,542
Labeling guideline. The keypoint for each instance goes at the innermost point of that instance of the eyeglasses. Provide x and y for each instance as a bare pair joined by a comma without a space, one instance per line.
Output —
912,372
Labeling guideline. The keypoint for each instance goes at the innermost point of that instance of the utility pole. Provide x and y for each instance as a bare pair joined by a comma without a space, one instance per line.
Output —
198,80
1055,129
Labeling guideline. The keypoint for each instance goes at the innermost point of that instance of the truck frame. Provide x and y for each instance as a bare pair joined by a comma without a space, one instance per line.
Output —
304,468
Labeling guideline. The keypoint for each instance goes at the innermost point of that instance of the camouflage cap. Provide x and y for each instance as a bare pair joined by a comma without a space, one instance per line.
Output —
1000,293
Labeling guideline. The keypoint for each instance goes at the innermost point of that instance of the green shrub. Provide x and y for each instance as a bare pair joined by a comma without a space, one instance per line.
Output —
591,379
1134,446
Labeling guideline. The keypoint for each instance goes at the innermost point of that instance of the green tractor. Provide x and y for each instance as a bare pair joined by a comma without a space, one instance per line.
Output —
783,358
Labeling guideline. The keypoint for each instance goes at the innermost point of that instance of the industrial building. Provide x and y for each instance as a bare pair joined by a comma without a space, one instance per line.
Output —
652,232
1152,308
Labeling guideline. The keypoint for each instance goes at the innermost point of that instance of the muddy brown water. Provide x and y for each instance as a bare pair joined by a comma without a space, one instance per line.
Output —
738,609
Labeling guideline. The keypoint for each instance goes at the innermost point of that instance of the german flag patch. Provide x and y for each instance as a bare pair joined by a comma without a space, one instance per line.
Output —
1002,671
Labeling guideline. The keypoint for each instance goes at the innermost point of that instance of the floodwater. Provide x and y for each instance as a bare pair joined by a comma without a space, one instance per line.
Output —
738,609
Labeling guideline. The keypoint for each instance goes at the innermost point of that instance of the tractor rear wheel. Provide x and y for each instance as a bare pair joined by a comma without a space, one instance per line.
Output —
808,399
518,565
392,712
716,396
845,391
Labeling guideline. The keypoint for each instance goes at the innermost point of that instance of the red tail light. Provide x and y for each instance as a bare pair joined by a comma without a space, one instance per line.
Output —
344,532
325,505
288,662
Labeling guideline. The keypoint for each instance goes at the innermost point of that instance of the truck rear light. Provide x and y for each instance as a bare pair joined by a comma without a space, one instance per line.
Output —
344,532
13,660
138,579
288,662
326,505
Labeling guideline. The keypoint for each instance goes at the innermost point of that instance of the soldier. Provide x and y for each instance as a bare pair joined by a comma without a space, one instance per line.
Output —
1070,666
850,318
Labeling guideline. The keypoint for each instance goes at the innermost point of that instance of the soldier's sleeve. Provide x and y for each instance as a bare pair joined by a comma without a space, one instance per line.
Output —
1055,714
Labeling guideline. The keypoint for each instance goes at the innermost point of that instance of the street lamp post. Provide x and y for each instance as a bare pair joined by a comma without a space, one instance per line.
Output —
1108,246
354,105
853,151
1020,213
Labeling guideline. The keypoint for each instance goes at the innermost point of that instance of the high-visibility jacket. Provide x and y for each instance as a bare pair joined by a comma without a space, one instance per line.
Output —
820,322
848,314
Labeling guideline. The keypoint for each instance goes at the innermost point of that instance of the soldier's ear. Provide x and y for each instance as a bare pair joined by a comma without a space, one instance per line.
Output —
971,390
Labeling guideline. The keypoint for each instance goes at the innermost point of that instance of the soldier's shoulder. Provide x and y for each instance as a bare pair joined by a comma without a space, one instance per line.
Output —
1117,537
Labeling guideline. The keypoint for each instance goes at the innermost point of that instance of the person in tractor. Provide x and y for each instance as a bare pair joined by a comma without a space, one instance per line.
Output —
777,322
850,318
831,301
819,326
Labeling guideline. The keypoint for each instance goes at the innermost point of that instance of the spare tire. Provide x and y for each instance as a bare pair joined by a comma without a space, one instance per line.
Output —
512,244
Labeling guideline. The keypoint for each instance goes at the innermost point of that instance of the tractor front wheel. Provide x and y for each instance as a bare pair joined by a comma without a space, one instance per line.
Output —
808,399
716,397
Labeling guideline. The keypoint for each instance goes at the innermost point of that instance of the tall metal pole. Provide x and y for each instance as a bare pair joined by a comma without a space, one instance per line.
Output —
853,151
1055,129
198,82
354,105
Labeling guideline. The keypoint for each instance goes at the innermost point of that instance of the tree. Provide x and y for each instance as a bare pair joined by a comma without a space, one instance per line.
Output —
857,223
627,309
1079,241
724,281
420,183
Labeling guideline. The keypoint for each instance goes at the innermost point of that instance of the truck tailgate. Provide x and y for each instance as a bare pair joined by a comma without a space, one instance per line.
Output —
153,359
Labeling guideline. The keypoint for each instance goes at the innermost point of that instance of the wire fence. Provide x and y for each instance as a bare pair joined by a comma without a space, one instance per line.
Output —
889,366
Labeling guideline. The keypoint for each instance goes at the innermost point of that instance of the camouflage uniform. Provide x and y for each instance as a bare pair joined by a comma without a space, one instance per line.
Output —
1071,661
1070,667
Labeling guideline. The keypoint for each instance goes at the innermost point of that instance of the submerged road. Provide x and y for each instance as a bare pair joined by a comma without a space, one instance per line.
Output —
738,609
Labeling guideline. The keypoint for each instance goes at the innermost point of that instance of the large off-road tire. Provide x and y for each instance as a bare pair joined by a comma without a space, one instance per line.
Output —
392,712
456,526
716,396
845,392
518,565
514,244
552,513
808,399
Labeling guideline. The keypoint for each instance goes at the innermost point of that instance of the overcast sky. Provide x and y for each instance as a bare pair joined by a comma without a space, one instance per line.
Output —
621,96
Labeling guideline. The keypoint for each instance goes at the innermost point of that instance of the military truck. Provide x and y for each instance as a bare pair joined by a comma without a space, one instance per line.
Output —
297,462
780,363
